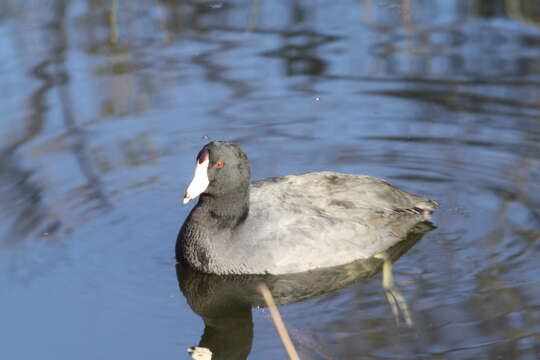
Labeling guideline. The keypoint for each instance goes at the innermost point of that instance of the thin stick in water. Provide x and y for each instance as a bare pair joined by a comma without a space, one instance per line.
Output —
278,322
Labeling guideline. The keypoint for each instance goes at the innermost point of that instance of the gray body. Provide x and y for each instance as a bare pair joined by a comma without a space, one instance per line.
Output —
301,222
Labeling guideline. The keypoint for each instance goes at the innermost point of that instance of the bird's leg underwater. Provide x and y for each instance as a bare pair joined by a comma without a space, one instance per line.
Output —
396,300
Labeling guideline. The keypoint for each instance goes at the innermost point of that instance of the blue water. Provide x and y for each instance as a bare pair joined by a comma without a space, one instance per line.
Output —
100,131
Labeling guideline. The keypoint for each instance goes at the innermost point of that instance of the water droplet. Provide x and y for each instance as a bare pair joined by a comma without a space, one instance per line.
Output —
215,5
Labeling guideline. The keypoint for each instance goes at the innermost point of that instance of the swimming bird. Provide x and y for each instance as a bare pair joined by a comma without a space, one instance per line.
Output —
288,224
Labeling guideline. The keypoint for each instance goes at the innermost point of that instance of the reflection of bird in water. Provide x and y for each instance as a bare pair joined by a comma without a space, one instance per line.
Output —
224,302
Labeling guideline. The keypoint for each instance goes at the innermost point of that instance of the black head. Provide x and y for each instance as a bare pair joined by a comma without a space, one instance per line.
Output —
222,167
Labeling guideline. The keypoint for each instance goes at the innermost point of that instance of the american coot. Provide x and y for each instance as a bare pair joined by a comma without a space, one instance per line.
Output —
288,224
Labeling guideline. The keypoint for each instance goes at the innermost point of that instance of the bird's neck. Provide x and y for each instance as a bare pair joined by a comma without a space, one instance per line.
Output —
226,210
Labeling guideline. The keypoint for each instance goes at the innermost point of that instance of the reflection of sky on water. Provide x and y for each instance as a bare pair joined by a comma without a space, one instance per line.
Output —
98,141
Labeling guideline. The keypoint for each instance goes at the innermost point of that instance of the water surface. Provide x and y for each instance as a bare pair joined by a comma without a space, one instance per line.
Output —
106,104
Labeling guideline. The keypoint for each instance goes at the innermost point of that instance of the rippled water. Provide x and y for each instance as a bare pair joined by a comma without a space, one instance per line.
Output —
106,104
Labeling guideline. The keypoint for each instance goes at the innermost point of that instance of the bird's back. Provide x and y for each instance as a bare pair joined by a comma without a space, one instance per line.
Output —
314,220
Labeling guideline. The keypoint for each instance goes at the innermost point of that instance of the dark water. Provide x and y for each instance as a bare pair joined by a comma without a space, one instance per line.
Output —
104,111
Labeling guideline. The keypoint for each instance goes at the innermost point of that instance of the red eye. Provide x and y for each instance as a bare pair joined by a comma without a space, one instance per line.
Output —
220,164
